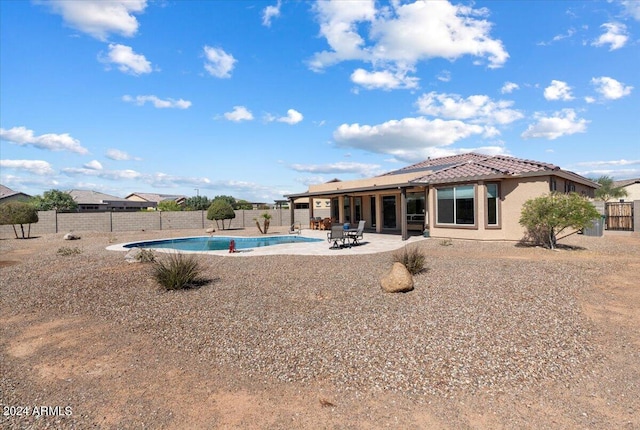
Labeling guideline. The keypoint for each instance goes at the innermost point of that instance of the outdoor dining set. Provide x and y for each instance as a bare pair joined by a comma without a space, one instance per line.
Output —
343,236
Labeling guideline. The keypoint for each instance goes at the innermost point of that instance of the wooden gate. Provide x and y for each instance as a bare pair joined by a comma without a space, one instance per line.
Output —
619,216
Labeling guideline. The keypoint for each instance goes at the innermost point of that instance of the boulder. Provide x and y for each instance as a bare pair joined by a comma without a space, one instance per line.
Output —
71,236
398,280
210,230
133,256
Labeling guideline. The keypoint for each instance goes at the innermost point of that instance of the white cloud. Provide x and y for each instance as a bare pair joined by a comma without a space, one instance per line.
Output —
477,108
239,113
385,79
218,63
113,175
404,34
632,8
589,99
509,87
100,18
362,169
611,89
558,90
622,162
615,36
118,155
270,12
126,60
293,117
54,142
562,123
157,102
406,139
94,164
444,76
37,167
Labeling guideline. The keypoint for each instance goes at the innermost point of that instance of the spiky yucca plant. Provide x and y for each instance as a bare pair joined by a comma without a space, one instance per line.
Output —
412,258
176,271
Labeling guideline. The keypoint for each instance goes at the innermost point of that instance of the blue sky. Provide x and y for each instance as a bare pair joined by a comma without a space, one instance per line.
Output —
260,99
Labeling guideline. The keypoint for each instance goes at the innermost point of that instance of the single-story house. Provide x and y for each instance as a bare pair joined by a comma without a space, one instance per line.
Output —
633,189
153,199
467,196
94,201
8,195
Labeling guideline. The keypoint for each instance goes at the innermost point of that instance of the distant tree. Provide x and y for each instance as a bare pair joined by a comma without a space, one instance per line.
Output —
607,191
220,210
547,216
55,200
197,203
243,205
229,199
21,213
169,206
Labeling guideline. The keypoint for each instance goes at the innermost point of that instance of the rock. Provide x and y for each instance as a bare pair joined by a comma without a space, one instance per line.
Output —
71,236
210,230
134,255
398,280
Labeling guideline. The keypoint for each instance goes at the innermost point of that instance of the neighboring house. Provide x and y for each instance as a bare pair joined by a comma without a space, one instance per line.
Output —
633,189
8,195
468,196
94,201
153,199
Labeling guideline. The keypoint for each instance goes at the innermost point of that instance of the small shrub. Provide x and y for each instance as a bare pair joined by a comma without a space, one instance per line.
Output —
67,251
177,271
446,242
413,259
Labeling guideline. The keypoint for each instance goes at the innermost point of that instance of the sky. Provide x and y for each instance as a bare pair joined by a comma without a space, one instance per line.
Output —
258,99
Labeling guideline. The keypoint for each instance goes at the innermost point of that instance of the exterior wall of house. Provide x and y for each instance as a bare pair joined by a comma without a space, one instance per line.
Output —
513,194
633,191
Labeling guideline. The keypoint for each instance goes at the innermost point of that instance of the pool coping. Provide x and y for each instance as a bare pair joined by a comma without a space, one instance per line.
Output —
372,243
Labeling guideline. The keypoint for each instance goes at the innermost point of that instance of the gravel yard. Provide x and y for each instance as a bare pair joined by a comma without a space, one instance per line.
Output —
494,335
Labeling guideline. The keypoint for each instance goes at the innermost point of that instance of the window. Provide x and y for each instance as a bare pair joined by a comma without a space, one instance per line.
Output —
456,205
416,205
492,204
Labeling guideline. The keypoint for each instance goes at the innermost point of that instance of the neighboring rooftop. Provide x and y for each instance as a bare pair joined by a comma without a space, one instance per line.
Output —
156,198
626,182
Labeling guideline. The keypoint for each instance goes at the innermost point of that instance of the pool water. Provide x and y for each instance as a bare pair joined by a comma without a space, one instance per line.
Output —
219,243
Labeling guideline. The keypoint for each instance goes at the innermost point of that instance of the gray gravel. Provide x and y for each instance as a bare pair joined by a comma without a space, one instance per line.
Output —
484,318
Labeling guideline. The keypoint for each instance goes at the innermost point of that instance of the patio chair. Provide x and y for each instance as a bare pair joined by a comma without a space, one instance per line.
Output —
295,228
337,236
358,234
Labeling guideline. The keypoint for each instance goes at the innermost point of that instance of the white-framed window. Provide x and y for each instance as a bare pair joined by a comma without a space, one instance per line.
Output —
456,205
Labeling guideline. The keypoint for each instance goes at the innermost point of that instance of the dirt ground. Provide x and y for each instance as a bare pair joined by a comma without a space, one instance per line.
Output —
102,372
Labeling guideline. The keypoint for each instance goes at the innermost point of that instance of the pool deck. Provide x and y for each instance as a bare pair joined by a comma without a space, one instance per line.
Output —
371,243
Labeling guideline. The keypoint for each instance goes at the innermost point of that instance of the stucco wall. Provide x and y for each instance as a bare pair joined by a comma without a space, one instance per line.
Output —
634,192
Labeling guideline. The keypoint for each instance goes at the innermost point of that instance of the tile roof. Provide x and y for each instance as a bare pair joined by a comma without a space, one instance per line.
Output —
6,191
476,166
92,197
152,197
433,164
625,182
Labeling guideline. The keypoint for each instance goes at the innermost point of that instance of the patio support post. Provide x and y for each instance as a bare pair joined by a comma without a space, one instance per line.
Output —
292,212
403,214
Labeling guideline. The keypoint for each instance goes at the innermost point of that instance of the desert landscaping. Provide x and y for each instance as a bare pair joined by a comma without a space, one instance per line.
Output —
494,335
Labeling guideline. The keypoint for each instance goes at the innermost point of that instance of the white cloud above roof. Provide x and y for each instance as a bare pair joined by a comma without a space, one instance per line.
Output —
406,139
563,123
100,18
239,113
361,169
558,90
118,155
509,87
50,141
126,60
218,63
157,102
38,167
401,35
383,79
615,36
610,88
270,12
476,108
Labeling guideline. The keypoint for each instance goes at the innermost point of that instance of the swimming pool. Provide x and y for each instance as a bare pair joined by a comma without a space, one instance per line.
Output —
218,243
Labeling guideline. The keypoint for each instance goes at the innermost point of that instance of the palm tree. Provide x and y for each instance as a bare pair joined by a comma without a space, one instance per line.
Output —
607,190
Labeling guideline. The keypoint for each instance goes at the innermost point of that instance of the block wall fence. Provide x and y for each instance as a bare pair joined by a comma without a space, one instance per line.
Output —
53,222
